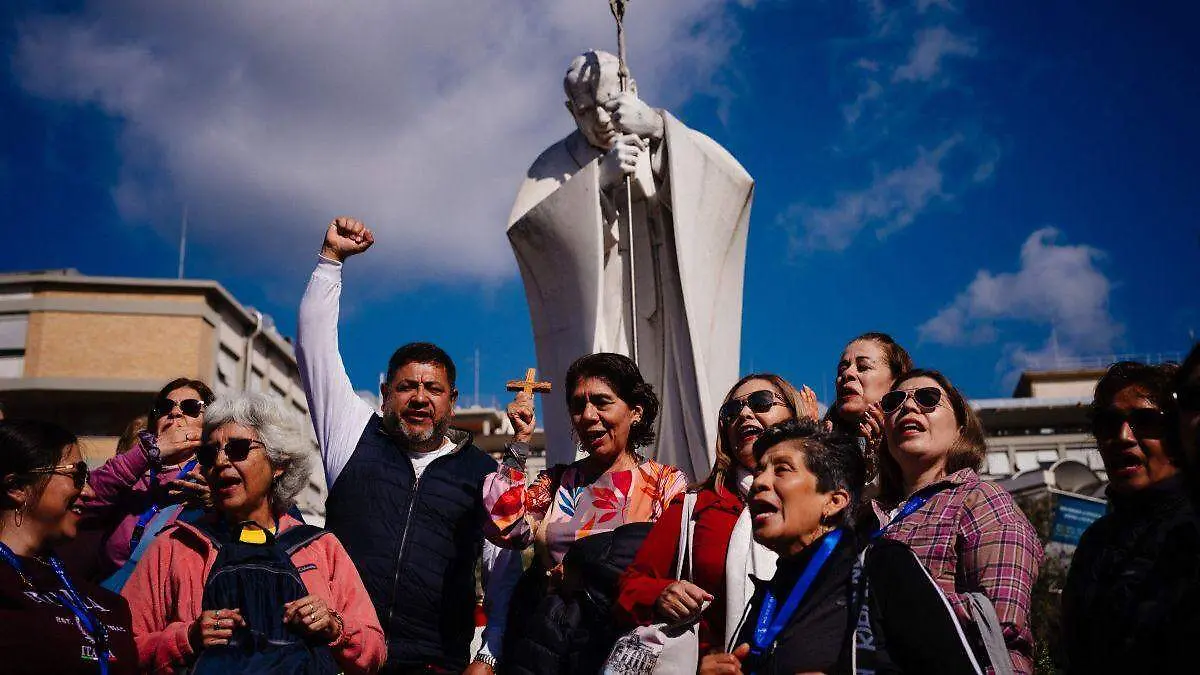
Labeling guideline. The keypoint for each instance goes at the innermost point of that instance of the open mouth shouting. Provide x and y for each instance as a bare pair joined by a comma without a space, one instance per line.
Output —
909,426
747,431
76,506
762,510
1125,463
594,439
227,484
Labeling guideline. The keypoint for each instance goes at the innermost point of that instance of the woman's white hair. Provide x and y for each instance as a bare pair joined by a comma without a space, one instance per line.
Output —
285,444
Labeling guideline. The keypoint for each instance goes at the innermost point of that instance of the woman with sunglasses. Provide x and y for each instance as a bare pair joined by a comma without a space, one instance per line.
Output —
969,533
138,492
200,597
723,552
1129,604
51,622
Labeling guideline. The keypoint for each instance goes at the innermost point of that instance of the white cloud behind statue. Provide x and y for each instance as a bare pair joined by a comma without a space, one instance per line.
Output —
420,118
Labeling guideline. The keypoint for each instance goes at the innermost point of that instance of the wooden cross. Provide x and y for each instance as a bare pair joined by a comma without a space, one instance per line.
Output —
529,384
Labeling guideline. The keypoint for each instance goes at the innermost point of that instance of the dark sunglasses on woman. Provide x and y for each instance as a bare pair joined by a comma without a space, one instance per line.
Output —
236,449
759,401
926,398
192,407
1143,422
77,471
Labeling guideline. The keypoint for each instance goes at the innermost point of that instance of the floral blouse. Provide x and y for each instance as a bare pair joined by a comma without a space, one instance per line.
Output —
563,504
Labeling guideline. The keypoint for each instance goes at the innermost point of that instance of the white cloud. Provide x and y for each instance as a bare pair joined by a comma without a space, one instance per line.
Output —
891,202
853,111
930,47
269,118
1058,287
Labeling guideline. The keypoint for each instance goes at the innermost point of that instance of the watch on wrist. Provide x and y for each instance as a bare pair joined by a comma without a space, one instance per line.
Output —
486,659
150,446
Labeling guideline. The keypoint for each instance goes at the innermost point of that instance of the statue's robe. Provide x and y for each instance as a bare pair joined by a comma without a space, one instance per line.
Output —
689,241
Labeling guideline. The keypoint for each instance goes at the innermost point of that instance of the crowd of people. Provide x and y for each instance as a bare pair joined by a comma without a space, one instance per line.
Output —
863,540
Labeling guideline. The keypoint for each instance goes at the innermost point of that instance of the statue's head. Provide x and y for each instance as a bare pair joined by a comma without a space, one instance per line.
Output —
591,82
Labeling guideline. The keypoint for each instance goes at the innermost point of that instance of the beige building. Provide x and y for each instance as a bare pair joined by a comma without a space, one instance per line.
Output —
91,352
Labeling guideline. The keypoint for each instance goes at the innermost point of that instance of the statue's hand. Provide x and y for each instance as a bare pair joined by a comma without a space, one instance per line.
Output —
631,115
346,237
621,160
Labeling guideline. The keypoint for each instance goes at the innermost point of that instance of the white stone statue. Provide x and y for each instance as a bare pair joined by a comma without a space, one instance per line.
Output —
691,210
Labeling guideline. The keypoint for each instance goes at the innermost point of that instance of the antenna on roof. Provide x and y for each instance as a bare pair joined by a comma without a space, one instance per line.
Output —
477,377
183,240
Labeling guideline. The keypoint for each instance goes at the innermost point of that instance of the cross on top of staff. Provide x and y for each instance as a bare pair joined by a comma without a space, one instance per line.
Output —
529,384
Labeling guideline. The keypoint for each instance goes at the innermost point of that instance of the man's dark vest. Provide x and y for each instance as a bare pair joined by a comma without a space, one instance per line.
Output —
416,546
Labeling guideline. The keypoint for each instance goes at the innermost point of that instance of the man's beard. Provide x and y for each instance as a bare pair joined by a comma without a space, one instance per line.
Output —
414,439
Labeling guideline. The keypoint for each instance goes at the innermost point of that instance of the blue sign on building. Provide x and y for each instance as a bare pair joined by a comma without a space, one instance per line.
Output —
1073,515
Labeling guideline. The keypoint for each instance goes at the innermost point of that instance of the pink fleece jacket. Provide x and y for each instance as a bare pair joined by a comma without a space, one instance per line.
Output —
166,588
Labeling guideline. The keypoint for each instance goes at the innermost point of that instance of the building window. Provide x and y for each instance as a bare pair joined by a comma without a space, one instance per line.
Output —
997,464
13,328
228,366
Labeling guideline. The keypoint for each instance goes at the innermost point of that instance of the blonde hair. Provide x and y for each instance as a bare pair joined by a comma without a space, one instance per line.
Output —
723,456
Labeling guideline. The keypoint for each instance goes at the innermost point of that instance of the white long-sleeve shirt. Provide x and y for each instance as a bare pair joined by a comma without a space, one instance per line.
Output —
339,417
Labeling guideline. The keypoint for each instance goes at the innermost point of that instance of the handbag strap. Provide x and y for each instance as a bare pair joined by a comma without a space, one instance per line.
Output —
687,527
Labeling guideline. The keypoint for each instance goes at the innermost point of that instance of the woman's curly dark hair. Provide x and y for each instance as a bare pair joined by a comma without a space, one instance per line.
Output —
622,374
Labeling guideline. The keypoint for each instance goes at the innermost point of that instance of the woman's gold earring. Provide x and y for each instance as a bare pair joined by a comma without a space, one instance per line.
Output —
20,516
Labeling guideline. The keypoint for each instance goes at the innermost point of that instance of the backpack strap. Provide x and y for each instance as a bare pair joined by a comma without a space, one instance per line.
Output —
983,612
204,528
862,646
295,538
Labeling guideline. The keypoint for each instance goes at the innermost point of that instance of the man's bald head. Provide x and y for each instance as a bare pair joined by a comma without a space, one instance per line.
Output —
586,72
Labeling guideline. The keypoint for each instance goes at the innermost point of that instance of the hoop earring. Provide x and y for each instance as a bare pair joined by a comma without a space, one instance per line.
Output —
20,518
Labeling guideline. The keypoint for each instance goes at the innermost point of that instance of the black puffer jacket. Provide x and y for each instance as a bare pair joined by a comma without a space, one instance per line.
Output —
572,630
1132,593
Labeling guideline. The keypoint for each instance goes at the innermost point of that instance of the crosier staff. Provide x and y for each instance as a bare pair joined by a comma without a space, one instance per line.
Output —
618,12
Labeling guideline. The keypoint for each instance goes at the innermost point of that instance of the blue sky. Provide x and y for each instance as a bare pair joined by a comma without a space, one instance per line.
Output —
992,183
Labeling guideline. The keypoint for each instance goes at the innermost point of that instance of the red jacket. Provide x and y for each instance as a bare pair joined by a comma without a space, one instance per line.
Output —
654,567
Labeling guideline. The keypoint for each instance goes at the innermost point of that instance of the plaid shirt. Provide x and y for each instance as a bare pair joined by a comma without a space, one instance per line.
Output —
972,537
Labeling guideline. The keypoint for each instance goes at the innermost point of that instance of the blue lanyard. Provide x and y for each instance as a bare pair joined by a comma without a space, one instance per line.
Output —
914,502
770,622
143,520
72,600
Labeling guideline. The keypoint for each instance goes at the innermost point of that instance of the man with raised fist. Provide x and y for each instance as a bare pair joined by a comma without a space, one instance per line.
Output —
405,490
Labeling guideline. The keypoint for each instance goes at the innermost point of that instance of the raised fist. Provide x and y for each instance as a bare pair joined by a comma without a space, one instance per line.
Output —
520,413
346,237
631,115
621,160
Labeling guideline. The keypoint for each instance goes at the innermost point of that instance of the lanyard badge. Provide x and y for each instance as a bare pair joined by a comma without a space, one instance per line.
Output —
772,622
72,600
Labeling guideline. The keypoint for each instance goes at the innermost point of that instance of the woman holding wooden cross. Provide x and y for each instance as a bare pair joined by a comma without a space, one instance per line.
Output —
612,417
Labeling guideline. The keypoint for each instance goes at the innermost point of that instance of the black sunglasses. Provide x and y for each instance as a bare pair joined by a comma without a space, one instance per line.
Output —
1188,396
1143,422
759,401
926,398
192,407
236,449
77,471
